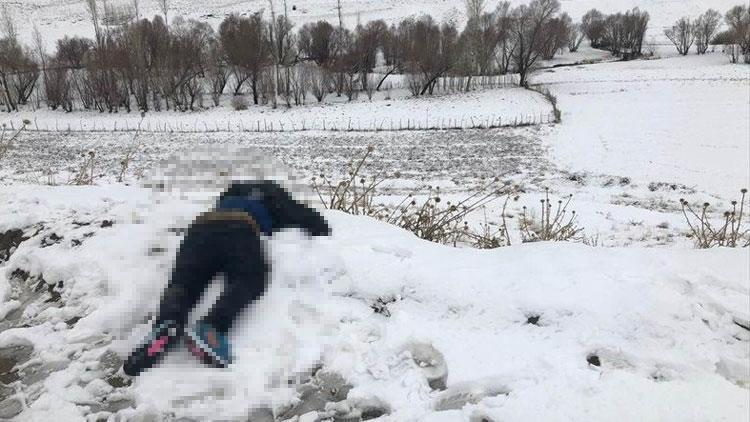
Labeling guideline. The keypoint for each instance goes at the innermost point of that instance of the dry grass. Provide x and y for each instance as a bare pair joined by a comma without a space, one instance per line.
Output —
728,232
428,217
7,137
559,225
85,174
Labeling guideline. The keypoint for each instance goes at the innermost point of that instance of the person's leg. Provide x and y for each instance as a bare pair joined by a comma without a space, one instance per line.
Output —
246,273
196,264
246,278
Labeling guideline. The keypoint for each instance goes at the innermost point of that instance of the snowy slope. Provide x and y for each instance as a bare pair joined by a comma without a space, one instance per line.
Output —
662,323
678,118
57,18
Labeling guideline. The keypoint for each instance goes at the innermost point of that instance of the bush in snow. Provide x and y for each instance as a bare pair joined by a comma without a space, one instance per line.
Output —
85,174
430,218
728,233
555,226
6,140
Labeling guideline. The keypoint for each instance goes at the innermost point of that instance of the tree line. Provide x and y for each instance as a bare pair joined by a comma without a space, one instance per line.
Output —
134,63
704,29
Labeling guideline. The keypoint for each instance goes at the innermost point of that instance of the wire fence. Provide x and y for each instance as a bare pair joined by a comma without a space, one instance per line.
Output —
457,83
290,125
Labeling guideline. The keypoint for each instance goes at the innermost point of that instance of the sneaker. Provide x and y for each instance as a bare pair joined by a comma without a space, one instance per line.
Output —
162,338
209,345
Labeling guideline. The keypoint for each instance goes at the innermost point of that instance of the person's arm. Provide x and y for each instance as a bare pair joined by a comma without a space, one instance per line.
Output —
309,220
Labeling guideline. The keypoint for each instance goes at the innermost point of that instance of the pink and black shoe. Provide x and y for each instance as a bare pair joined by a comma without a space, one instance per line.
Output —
164,336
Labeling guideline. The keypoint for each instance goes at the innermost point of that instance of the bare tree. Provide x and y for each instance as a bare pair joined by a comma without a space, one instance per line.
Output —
556,35
248,48
314,42
19,73
624,33
216,69
393,50
507,43
681,34
705,28
575,37
738,21
479,40
592,25
529,27
431,51
367,40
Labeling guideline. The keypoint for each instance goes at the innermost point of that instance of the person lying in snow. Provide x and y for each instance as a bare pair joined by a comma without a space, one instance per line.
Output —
224,240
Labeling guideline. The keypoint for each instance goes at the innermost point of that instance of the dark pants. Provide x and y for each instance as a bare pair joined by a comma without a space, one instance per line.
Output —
210,248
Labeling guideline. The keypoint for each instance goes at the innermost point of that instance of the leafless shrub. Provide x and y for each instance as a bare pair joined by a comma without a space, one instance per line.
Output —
554,224
353,195
682,35
430,218
127,159
85,174
491,236
7,138
729,231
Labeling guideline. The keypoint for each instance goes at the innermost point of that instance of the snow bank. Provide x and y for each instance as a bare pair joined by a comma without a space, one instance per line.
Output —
556,332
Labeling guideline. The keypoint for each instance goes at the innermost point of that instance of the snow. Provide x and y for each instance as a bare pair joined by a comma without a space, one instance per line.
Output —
56,19
679,118
510,332
487,107
660,320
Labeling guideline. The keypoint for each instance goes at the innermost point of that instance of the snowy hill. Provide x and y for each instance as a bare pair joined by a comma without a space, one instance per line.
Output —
555,332
56,18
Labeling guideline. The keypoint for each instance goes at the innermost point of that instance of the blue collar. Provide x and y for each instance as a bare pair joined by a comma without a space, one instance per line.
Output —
254,207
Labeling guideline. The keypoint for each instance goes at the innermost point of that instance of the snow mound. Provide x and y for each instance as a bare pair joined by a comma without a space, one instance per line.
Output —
548,331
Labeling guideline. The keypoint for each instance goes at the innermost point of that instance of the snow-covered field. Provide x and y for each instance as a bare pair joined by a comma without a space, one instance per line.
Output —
641,326
395,110
535,332
680,118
